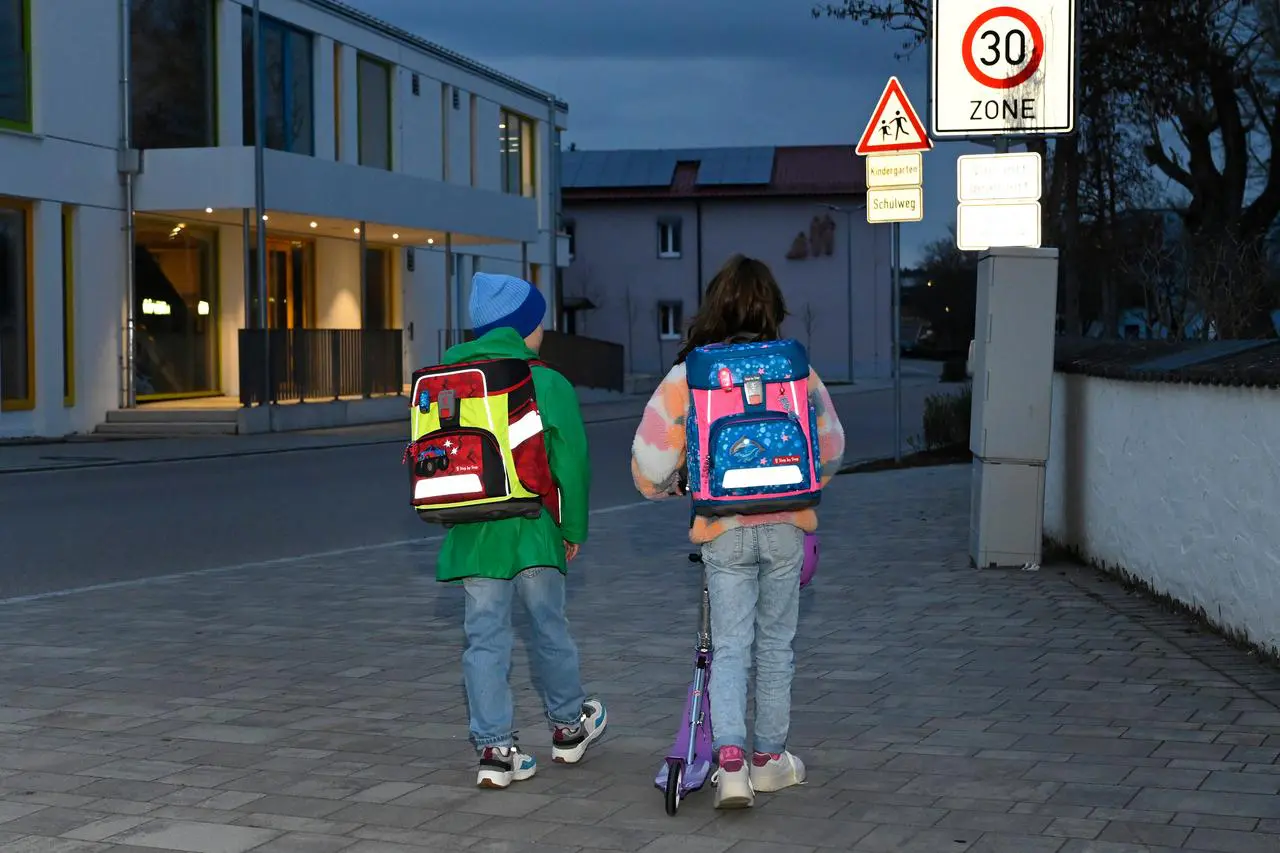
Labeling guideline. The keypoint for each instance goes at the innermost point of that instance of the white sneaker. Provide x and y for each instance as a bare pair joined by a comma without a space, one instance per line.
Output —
502,765
569,743
775,772
732,780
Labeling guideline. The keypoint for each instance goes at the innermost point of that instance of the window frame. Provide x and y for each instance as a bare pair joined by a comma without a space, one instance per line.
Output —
363,59
286,30
68,305
27,403
674,226
525,128
24,125
676,307
212,70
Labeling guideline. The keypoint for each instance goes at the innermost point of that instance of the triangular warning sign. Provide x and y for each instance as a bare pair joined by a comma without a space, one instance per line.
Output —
894,125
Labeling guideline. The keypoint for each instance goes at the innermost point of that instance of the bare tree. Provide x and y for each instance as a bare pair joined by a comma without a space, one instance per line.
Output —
1157,265
580,282
1185,86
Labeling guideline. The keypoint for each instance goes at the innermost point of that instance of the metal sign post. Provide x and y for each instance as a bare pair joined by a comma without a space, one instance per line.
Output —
892,144
259,203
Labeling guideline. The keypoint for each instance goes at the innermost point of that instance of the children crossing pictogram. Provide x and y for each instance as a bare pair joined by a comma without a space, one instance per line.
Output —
895,126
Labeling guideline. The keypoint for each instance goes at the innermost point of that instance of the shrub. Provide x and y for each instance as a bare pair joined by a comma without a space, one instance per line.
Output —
946,419
953,370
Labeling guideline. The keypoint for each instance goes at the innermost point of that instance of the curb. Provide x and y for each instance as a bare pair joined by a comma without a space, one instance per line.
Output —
235,454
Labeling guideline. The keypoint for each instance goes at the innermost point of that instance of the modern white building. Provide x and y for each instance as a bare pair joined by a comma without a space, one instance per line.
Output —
376,142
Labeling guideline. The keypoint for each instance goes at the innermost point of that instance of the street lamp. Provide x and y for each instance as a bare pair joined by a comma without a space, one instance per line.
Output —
848,251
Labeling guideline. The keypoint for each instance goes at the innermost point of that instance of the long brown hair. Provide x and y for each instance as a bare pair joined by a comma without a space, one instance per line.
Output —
742,301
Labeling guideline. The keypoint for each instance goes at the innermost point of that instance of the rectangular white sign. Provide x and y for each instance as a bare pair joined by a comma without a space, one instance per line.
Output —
997,68
895,170
999,177
895,204
989,226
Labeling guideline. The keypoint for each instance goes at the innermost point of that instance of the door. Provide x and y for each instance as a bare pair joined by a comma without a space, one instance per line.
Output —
287,292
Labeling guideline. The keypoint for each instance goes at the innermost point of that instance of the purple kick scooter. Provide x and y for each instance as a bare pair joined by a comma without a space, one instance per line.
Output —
689,764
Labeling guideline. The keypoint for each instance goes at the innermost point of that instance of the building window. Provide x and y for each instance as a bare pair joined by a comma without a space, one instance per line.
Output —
475,139
518,145
571,231
669,238
373,78
377,271
444,131
17,325
15,64
670,320
337,101
172,73
176,309
287,86
68,305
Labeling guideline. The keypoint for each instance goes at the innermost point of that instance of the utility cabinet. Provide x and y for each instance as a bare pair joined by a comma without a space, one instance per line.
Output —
1015,326
1014,336
1006,517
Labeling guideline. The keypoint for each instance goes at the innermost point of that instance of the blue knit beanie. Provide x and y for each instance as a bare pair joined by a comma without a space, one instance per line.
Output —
505,301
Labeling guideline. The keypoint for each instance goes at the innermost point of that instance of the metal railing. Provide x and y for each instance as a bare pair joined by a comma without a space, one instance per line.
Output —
585,362
312,364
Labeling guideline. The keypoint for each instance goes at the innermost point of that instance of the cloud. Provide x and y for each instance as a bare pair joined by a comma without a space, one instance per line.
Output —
693,73
756,30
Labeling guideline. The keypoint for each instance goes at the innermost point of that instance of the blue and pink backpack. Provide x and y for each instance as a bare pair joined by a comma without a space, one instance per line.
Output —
752,435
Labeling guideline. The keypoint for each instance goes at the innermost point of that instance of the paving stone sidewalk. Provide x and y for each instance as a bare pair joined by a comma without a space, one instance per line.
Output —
317,707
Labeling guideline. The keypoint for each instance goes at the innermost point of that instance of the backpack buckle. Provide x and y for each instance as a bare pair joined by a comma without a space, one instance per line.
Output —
447,401
754,388
725,378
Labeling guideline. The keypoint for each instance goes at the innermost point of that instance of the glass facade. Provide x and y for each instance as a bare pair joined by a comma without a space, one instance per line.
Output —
15,64
172,73
517,146
291,291
287,83
373,78
377,270
17,389
176,308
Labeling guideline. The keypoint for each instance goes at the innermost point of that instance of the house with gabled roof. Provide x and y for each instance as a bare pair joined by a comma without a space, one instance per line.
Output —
649,228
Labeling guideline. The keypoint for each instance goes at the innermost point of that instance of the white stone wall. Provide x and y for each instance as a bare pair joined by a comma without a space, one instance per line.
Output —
1179,485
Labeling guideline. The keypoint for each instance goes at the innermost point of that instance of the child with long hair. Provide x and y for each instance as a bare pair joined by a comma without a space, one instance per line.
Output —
752,562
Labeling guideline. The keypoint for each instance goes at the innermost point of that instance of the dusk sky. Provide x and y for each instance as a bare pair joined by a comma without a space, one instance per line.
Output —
692,73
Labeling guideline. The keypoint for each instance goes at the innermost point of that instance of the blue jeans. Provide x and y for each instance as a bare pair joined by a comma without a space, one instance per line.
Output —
753,575
486,663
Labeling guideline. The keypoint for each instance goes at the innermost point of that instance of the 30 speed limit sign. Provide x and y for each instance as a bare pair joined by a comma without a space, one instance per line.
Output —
1003,67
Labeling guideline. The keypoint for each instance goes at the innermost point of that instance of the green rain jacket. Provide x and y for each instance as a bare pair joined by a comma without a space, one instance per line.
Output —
504,548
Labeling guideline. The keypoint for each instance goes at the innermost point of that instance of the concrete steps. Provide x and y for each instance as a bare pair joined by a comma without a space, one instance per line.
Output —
156,422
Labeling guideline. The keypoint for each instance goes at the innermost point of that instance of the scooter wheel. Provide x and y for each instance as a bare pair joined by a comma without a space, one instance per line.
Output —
675,776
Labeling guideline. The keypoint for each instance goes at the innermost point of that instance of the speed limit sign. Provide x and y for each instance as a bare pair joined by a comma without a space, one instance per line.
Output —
1002,67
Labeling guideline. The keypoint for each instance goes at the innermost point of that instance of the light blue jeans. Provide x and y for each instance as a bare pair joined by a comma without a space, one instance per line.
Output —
486,663
753,575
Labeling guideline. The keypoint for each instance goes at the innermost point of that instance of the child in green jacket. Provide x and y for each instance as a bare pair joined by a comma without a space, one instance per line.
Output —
495,560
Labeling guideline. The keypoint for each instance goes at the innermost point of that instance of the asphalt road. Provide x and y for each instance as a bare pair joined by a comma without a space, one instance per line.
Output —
69,529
